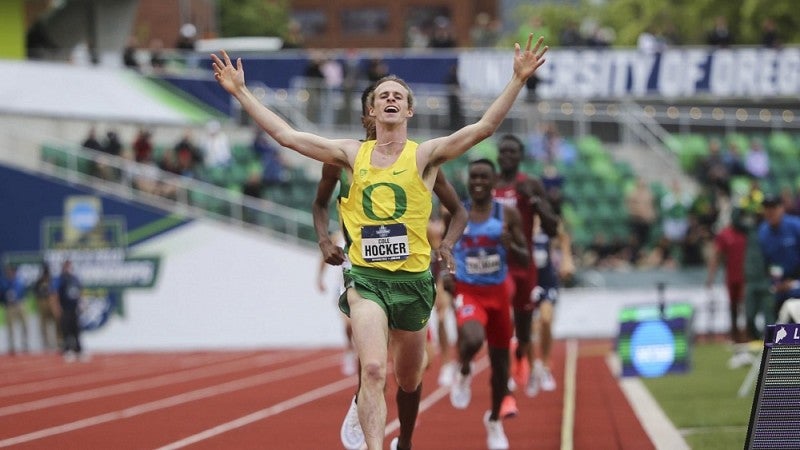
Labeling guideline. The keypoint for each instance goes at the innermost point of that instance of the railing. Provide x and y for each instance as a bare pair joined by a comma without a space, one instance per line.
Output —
183,195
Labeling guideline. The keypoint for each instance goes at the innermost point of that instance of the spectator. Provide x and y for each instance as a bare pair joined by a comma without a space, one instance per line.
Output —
130,54
91,141
713,169
43,289
720,35
675,205
733,160
217,152
186,37
112,144
14,295
168,163
314,82
484,32
757,296
729,248
294,36
350,82
693,248
649,41
641,216
187,155
416,38
570,36
769,34
333,78
455,114
791,202
757,160
103,168
143,146
267,151
706,207
552,148
70,292
442,35
779,238
158,62
376,69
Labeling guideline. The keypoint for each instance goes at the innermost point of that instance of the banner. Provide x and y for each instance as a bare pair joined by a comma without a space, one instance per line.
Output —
591,74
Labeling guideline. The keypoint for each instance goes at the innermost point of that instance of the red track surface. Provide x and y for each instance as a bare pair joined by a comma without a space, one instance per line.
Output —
278,399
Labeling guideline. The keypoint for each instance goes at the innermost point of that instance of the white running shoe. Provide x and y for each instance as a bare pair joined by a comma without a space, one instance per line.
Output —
532,389
351,433
546,379
70,356
460,391
349,363
393,444
447,373
495,436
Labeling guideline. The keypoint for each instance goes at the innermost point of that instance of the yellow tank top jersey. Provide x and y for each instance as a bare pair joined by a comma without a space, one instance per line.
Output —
386,213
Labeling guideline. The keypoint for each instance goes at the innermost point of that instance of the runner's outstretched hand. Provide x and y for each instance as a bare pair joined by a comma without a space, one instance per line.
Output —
229,77
527,61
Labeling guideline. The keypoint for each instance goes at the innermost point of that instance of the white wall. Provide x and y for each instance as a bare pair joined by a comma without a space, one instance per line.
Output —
225,288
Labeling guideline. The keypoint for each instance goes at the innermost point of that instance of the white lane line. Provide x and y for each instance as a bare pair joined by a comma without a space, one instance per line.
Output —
300,400
179,399
435,396
147,383
654,420
112,369
570,382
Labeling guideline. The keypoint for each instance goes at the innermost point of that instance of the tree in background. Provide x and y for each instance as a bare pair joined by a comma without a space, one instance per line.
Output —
683,22
254,18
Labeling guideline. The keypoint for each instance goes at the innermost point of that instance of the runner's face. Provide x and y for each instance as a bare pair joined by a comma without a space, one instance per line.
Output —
481,182
390,103
509,155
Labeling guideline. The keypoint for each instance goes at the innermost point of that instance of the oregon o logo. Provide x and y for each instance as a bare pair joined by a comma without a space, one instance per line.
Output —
400,201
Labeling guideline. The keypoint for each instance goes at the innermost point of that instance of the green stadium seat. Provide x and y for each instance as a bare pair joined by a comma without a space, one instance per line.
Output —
590,147
781,143
243,154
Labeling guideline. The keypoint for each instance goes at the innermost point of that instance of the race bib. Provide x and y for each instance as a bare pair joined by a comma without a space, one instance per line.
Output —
540,257
483,263
384,242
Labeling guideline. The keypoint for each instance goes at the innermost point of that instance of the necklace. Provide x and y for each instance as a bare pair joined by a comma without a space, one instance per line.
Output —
385,152
387,143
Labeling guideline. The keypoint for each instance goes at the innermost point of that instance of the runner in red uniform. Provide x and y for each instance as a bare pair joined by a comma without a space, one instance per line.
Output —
527,194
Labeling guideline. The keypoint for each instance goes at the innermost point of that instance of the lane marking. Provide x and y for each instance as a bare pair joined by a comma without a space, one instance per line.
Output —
112,369
179,399
570,382
654,420
314,395
147,383
300,400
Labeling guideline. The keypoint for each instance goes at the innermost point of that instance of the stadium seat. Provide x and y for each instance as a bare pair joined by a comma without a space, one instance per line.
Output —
781,143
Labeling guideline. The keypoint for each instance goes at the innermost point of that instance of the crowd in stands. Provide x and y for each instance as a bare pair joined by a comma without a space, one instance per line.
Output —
671,227
248,168
647,225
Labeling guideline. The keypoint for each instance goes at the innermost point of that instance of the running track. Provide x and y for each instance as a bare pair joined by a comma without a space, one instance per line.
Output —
286,399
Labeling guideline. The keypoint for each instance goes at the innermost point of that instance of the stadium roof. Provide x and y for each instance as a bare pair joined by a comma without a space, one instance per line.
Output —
49,89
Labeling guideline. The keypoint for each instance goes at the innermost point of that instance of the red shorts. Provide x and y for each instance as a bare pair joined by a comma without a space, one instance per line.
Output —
524,281
489,305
